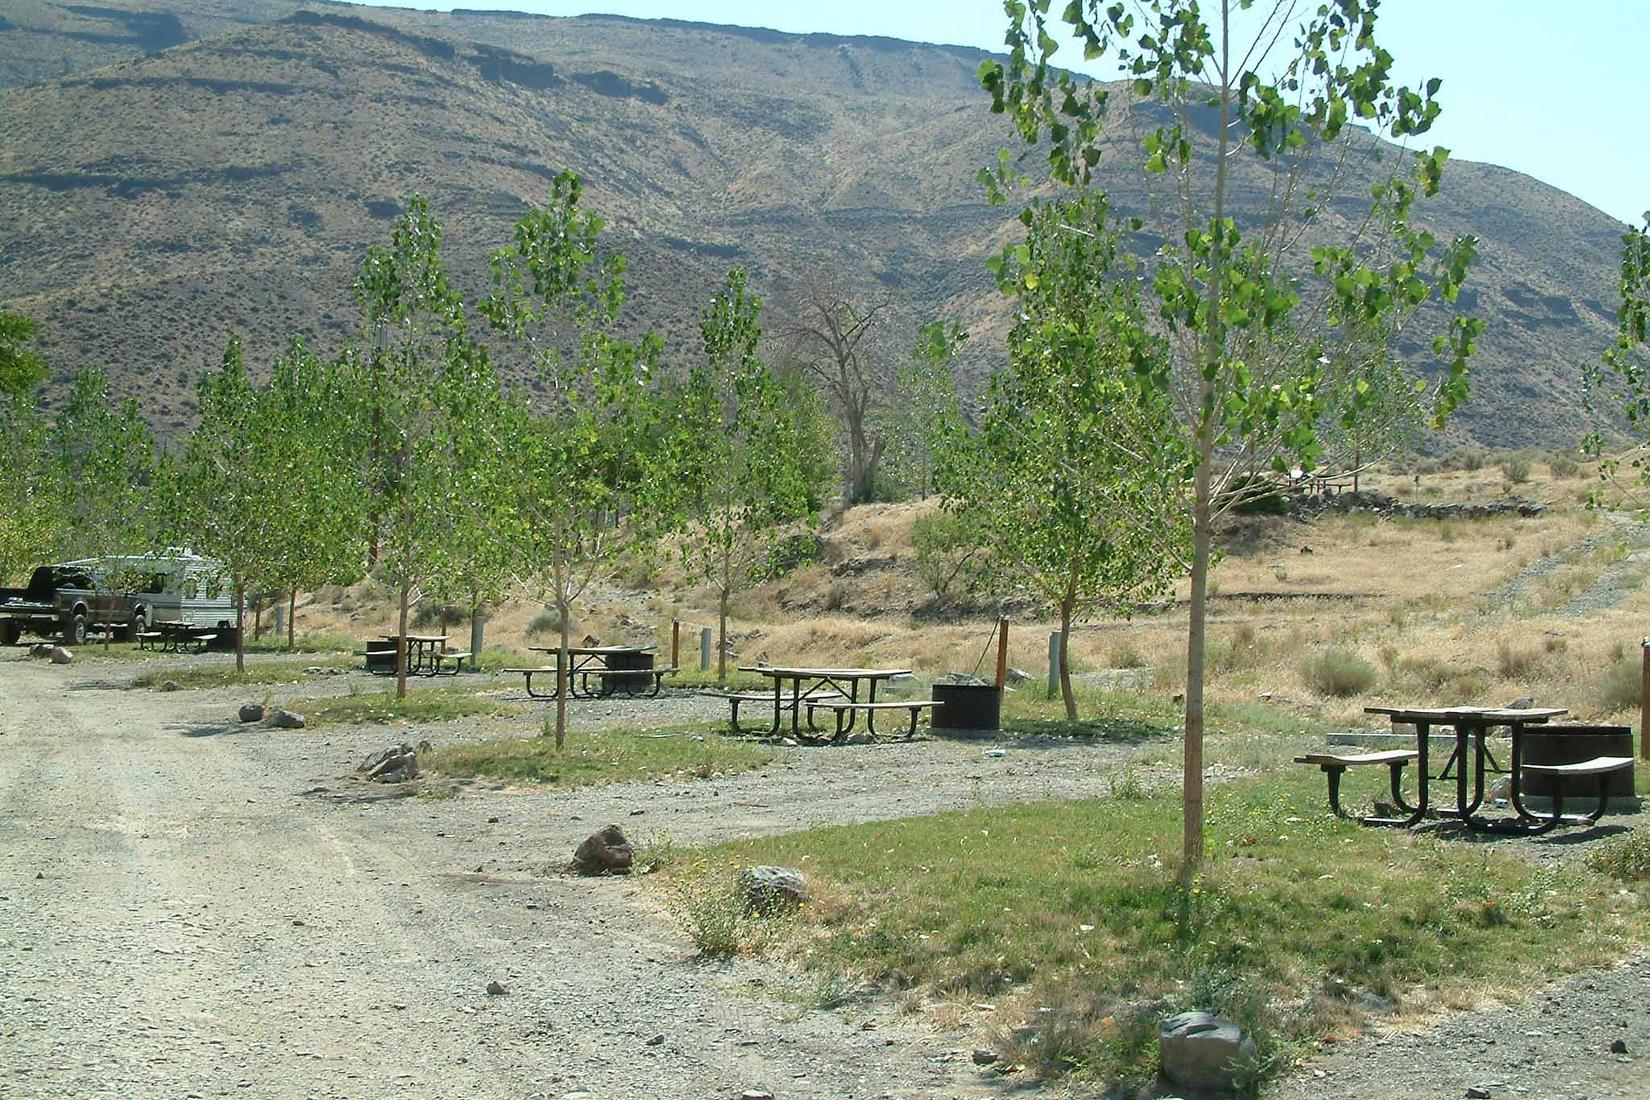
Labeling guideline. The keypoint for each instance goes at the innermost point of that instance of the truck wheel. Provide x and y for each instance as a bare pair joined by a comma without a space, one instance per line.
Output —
77,628
10,632
139,623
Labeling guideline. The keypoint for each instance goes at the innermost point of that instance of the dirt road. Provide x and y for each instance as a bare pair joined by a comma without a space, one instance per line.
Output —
183,913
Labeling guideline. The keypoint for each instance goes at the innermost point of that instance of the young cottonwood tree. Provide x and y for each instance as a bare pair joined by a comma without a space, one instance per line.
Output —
1623,373
579,451
1075,473
28,520
424,375
739,454
1253,96
224,499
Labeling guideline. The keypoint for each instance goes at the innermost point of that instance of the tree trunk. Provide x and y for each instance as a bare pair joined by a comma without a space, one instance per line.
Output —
722,636
1066,692
401,643
291,615
478,626
1192,825
562,656
240,629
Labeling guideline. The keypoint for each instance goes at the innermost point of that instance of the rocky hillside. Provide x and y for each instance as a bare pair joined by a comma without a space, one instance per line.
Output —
173,170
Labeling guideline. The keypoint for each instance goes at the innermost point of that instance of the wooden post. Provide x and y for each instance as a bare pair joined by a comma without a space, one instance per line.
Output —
676,643
1002,652
1644,703
1053,662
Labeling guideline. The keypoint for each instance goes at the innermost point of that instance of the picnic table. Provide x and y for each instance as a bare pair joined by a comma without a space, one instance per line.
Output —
427,655
176,636
1470,760
600,670
835,689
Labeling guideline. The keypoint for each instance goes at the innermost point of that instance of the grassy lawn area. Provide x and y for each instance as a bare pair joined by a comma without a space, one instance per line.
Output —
422,704
1064,920
609,757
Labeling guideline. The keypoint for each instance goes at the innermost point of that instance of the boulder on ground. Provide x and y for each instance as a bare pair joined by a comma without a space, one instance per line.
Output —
41,649
769,890
1203,1051
1016,675
169,685
604,852
61,656
287,719
396,764
252,712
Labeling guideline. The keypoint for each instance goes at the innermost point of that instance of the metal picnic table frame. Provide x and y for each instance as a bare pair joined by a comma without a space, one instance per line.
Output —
842,682
596,662
1471,726
422,650
178,634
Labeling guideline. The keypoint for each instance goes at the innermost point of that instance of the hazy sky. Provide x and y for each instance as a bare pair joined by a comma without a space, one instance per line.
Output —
1560,91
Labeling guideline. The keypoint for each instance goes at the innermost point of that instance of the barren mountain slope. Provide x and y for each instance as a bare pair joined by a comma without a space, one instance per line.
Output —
149,208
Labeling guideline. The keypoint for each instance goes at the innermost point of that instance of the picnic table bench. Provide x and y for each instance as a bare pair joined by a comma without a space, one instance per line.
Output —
737,697
427,655
611,681
845,709
837,689
176,636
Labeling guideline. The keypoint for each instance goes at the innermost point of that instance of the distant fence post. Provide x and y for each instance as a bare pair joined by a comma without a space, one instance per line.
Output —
704,649
676,643
280,618
1644,703
478,634
1053,662
1002,652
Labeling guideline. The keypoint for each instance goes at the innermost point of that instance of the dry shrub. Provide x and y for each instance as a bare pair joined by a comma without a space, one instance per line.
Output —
1514,662
1622,685
1338,673
1126,655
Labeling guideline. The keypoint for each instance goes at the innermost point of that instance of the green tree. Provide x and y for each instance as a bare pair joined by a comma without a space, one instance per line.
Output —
1622,375
738,454
579,452
29,520
1229,95
312,444
422,374
226,494
925,403
1075,474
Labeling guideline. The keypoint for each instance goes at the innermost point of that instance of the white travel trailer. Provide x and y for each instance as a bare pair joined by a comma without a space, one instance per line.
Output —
176,586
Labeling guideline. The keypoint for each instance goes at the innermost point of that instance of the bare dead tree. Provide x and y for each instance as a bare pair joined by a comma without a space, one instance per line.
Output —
837,340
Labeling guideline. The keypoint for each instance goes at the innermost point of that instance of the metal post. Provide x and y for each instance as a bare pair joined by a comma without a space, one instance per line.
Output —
280,618
676,643
1002,652
704,649
478,631
1053,662
1644,703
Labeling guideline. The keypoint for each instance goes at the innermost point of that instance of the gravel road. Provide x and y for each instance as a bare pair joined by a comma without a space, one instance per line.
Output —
194,909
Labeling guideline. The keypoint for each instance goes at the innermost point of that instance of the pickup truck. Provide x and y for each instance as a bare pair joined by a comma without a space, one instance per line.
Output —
68,601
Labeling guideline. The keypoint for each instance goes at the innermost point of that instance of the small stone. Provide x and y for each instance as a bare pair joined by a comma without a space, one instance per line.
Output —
637,813
425,747
607,851
169,685
40,874
656,1041
492,821
252,712
1618,1046
859,737
984,1056
1016,675
756,1094
61,656
495,989
773,889
1475,1092
287,719
395,764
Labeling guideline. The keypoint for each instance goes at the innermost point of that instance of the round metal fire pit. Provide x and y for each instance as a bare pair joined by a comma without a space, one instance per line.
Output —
1570,745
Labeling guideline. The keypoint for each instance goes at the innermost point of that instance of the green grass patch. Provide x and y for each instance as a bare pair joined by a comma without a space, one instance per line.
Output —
220,675
1123,716
1068,918
609,757
422,704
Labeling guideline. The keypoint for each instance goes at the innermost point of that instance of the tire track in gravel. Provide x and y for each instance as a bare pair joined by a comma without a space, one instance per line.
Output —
1618,580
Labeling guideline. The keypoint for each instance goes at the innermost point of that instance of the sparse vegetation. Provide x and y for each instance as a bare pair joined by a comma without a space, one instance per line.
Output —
425,705
604,757
1338,672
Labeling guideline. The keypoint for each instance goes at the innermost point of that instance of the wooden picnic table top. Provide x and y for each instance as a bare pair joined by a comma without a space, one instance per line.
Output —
425,638
782,672
594,650
1469,715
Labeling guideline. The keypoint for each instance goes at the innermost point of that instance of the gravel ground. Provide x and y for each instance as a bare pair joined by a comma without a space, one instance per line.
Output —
193,908
189,908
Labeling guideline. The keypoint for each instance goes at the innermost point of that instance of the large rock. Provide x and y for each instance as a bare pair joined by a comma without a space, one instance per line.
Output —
604,852
1203,1051
61,656
396,764
772,889
41,649
286,719
252,712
